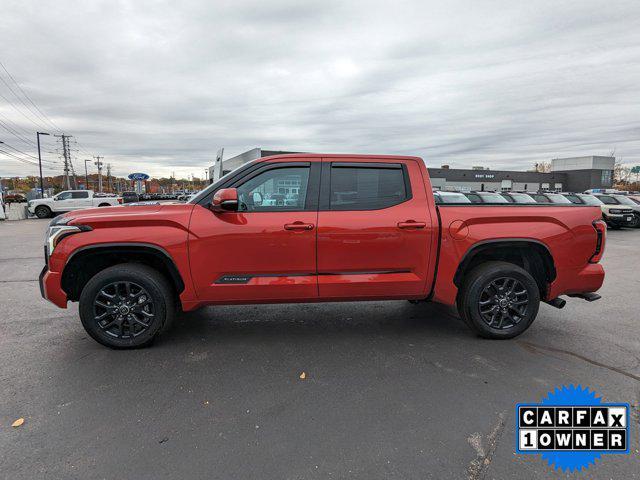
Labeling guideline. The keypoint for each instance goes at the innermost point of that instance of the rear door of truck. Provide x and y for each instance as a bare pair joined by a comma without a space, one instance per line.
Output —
374,229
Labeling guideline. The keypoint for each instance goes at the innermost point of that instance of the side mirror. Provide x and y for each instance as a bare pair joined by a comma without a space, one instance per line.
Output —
225,200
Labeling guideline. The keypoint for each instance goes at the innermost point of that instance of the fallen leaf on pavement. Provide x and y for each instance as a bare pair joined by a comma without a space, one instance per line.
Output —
18,423
303,376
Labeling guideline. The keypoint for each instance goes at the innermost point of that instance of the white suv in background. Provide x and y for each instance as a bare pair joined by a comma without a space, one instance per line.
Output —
621,205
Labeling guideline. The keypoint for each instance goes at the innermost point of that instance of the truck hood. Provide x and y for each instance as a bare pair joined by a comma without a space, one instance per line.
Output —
127,212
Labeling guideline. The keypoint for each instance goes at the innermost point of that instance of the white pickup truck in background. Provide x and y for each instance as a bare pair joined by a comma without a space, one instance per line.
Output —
70,200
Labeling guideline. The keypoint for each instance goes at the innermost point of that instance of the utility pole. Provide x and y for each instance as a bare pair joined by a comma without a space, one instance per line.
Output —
86,174
40,163
67,159
99,165
109,178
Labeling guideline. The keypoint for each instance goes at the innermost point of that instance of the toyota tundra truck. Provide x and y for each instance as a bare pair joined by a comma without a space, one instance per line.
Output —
318,228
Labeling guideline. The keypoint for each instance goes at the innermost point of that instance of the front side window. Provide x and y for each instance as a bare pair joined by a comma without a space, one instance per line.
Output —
79,194
64,196
366,188
278,189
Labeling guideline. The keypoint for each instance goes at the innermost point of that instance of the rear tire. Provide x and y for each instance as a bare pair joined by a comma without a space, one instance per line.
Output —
127,306
104,205
42,211
499,300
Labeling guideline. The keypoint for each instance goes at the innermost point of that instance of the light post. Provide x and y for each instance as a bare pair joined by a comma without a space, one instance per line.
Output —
40,163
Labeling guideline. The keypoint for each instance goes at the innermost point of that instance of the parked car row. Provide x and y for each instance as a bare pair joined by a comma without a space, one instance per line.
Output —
617,210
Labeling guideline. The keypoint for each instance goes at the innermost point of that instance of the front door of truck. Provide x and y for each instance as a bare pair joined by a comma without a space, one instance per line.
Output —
64,202
374,229
267,250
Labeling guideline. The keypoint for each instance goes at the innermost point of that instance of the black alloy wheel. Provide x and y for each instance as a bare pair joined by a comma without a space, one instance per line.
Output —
123,309
127,305
503,303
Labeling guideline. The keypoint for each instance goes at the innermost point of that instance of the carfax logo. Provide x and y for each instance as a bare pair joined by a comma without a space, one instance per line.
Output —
571,428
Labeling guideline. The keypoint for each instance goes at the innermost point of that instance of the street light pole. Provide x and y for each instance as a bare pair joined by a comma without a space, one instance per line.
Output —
40,163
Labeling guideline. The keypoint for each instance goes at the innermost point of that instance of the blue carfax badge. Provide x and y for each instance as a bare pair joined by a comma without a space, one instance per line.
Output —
571,428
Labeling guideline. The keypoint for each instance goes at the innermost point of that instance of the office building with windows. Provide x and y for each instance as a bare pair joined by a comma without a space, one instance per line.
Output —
574,174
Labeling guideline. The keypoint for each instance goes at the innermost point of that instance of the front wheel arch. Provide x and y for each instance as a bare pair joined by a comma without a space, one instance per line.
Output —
86,262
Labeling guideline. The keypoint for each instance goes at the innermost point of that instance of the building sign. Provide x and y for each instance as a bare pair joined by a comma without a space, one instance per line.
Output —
485,175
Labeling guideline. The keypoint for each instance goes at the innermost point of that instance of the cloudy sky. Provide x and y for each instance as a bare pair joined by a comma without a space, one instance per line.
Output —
159,86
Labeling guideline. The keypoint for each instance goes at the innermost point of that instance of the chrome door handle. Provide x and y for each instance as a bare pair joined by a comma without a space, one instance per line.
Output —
411,224
298,226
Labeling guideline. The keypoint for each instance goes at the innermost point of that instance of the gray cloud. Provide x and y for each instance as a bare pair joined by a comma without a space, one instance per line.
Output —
159,86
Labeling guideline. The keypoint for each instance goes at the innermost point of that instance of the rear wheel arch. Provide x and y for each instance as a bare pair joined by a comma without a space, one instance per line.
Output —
531,255
86,262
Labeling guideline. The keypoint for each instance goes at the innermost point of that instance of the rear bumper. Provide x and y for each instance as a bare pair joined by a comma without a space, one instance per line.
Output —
51,289
583,280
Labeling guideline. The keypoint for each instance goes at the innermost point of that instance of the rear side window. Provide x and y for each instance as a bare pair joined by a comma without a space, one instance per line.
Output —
79,194
473,197
367,188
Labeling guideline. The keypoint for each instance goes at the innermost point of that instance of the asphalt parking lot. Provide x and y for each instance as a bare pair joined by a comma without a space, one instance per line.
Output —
392,390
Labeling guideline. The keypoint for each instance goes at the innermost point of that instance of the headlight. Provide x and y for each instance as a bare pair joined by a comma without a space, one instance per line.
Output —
615,211
55,233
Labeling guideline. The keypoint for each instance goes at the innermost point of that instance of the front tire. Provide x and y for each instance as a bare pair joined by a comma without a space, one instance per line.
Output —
499,300
126,306
635,222
42,211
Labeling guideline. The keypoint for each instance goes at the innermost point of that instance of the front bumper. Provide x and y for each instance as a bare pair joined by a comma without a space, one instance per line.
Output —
51,288
618,220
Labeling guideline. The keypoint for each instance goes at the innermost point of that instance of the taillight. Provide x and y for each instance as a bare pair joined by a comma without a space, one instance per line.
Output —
120,200
601,237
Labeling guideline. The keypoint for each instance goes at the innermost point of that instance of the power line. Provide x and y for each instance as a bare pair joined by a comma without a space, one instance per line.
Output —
42,114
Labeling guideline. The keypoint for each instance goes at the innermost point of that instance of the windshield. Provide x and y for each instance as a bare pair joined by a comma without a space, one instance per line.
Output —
625,201
493,198
557,198
590,200
522,198
453,198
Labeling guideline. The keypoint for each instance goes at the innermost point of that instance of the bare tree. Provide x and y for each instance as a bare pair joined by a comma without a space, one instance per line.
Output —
542,167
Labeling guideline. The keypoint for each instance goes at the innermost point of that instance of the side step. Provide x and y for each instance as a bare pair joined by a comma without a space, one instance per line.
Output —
588,296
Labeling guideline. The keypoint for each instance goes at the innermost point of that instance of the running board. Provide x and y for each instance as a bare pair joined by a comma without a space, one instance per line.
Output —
588,296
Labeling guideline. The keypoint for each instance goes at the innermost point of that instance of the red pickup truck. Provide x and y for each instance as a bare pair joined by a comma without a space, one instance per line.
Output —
315,228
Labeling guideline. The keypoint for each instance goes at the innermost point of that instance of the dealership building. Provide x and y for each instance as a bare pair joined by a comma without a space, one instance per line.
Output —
574,174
